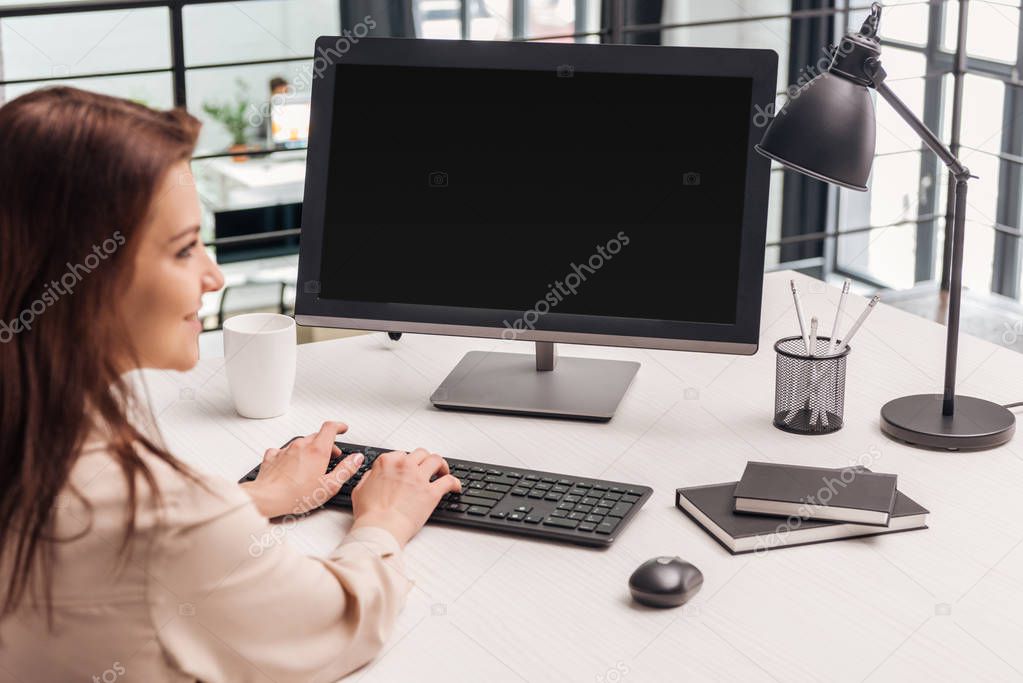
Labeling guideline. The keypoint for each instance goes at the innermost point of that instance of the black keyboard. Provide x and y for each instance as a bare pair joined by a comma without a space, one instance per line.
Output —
519,501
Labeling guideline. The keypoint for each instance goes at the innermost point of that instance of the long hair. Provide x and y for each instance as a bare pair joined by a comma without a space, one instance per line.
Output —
78,177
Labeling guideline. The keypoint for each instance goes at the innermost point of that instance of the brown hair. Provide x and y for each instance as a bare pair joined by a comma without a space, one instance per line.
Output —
78,175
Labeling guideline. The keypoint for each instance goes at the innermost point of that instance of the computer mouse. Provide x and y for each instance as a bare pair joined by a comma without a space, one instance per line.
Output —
665,582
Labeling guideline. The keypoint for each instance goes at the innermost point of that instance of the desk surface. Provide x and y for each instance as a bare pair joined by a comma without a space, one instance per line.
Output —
941,604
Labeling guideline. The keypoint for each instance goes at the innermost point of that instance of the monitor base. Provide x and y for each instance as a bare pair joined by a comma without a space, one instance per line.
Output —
580,388
918,421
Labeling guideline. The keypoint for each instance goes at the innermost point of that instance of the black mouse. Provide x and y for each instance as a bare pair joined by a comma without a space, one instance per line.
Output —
665,582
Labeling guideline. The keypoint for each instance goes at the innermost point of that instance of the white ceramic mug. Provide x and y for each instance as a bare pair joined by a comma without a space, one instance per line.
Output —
260,350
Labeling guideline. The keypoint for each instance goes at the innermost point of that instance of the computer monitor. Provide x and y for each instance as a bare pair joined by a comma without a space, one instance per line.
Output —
289,122
544,192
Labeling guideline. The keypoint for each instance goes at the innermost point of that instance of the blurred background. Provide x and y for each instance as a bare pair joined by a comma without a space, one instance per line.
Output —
244,68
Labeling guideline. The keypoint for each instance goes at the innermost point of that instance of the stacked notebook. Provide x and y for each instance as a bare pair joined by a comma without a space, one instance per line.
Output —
776,506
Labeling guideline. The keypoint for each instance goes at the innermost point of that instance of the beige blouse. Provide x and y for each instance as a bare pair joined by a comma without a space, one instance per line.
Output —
207,589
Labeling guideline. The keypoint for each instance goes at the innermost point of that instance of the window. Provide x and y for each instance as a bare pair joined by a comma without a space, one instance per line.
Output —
216,56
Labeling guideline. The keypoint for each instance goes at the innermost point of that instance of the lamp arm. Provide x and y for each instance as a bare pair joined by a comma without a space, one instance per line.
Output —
877,74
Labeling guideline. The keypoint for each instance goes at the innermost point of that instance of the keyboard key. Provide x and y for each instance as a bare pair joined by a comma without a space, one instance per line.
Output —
589,500
513,475
561,522
524,509
478,469
477,510
582,485
549,480
515,517
502,488
559,489
564,482
507,481
617,489
474,475
457,507
619,510
572,499
477,484
612,496
493,495
495,473
586,526
473,500
531,477
543,486
629,498
536,493
599,487
559,513
596,519
605,503
519,491
576,516
534,519
583,508
565,506
552,497
500,514
608,525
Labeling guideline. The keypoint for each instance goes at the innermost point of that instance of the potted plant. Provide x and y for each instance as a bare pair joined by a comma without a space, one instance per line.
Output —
233,116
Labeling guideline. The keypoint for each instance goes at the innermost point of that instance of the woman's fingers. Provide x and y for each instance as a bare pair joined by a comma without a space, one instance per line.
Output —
434,464
344,471
446,484
323,440
418,456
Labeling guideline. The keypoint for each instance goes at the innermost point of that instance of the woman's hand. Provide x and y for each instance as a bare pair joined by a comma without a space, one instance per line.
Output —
291,480
397,494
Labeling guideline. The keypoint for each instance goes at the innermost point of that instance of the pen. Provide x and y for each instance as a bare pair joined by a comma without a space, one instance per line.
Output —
859,321
833,339
813,371
799,315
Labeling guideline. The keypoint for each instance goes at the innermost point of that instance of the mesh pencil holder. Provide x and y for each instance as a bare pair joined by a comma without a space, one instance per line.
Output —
809,391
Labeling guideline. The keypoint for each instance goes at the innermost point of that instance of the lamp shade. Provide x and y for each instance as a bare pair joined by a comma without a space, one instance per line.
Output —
825,131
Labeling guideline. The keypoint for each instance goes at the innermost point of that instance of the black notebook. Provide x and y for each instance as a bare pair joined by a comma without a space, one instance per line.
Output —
712,507
849,494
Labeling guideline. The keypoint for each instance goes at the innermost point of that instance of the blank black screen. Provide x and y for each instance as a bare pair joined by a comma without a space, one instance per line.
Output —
488,188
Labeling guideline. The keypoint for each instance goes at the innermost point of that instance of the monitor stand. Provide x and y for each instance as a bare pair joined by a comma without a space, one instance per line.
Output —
516,383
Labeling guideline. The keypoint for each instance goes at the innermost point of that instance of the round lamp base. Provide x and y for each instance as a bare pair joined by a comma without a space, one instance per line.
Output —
976,424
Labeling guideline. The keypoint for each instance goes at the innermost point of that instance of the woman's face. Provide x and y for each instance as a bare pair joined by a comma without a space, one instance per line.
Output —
172,271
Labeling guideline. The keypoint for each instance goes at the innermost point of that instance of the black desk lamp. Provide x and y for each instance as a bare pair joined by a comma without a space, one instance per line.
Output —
827,132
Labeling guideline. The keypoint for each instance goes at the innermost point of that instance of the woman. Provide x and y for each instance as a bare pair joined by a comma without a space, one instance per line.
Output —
117,558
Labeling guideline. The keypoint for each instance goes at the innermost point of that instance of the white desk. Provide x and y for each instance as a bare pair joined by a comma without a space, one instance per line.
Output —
940,604
255,181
